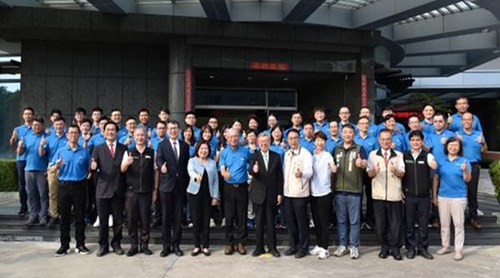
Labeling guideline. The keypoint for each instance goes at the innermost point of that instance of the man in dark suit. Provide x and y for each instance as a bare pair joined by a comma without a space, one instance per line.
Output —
110,188
266,193
172,158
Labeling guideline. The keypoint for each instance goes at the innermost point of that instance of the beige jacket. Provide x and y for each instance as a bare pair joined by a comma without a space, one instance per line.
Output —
386,186
297,187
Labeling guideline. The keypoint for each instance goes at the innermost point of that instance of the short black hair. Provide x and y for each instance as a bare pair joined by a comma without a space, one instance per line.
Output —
388,117
38,119
29,108
144,110
416,133
451,140
160,122
73,126
364,117
130,118
164,109
87,120
293,130
198,145
55,111
111,123
189,113
80,110
349,125
116,110
59,118
174,122
319,134
319,109
104,118
97,109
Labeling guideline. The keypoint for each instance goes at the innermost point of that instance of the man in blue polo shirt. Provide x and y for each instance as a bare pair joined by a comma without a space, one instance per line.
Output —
455,121
473,144
344,116
36,166
116,117
234,166
373,128
435,141
72,163
96,139
334,139
307,141
50,146
297,121
321,124
18,134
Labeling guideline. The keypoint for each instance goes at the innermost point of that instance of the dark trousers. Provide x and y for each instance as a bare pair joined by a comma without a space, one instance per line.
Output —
369,217
110,206
388,224
321,208
298,223
200,211
417,209
23,195
217,212
235,210
138,210
265,214
157,210
72,195
171,217
472,191
91,207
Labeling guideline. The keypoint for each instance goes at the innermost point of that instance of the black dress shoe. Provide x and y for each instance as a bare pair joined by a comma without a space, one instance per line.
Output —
425,254
145,249
383,253
300,254
22,212
257,252
132,251
53,222
397,256
410,254
165,252
102,251
178,252
206,252
275,253
118,249
290,252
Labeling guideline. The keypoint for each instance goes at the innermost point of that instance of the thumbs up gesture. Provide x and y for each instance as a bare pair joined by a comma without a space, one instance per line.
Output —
43,141
376,168
333,167
393,146
480,139
393,168
450,119
443,140
59,162
93,165
256,167
298,173
128,141
433,164
164,168
149,133
13,138
463,166
459,136
359,161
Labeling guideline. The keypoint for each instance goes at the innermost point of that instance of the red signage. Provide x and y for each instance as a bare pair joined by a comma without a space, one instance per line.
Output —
269,66
364,90
188,96
406,114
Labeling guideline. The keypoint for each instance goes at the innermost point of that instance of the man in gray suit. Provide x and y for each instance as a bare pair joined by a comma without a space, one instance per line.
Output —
110,188
266,193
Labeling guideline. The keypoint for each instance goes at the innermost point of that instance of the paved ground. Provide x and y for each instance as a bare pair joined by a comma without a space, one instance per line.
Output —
28,259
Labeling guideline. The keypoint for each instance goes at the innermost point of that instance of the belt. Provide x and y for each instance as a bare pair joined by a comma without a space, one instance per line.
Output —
237,185
72,182
474,163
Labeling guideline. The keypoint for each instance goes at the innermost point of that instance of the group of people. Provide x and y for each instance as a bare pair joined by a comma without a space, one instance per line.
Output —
96,168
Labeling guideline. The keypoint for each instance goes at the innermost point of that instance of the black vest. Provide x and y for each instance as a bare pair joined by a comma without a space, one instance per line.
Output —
417,180
140,175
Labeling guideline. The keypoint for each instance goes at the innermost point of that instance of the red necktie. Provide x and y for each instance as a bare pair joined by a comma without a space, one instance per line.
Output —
386,159
112,150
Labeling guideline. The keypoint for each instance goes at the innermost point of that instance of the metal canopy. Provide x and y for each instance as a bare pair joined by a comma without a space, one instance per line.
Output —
425,30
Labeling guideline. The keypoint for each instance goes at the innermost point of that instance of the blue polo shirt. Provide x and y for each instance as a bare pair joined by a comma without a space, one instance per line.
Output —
155,141
121,132
308,144
456,123
332,143
236,162
34,162
427,127
433,141
94,141
341,125
399,128
22,131
399,140
369,143
75,163
470,147
372,130
130,146
451,181
277,148
54,143
325,127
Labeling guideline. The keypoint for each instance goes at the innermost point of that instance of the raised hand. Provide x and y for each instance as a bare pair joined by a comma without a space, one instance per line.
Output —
443,140
480,139
333,167
298,173
130,159
463,166
128,141
164,168
43,141
393,146
376,168
459,136
359,161
433,164
13,138
449,120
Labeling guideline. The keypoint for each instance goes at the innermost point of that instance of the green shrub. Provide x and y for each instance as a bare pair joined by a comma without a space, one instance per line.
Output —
8,175
495,177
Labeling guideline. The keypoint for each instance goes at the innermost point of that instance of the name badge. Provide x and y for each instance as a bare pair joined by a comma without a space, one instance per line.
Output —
421,162
147,157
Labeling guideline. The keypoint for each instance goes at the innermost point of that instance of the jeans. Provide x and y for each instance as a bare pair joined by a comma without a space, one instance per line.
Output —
36,187
347,206
23,195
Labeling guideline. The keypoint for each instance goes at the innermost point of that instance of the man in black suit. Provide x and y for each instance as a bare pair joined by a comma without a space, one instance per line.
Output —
110,188
266,193
172,158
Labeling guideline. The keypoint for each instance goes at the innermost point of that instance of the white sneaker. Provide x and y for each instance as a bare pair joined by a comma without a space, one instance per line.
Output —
190,225
354,253
311,223
341,251
223,222
315,251
110,221
96,223
323,254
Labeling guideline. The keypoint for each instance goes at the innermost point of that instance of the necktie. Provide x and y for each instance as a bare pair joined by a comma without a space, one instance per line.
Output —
176,153
266,160
386,157
112,150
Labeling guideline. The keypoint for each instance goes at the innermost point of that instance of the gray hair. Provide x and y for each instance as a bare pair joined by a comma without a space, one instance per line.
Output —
264,134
